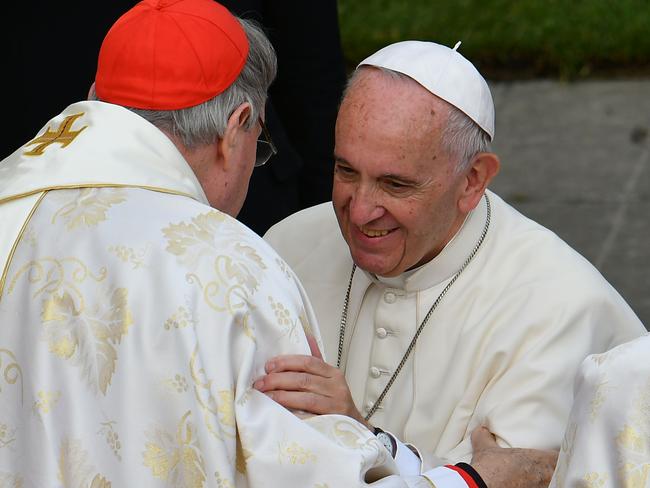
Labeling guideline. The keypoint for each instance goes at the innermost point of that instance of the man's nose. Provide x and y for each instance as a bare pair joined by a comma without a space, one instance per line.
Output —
365,206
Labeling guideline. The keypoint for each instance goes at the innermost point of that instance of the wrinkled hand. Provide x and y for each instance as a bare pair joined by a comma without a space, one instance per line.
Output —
300,382
510,467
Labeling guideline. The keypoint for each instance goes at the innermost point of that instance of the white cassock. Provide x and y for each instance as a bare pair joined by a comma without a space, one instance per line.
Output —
502,347
134,319
607,441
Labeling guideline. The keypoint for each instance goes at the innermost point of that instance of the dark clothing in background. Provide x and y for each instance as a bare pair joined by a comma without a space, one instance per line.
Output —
50,60
51,57
302,107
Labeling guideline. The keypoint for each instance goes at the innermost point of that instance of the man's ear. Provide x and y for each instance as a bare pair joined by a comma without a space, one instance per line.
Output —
232,138
91,92
483,168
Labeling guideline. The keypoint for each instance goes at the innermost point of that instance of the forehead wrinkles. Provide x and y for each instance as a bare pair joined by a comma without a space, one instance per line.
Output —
397,106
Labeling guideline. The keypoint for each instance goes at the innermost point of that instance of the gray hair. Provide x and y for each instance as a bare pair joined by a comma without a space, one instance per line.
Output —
461,139
202,124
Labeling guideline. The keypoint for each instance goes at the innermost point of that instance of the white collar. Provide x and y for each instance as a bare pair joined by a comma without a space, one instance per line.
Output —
115,148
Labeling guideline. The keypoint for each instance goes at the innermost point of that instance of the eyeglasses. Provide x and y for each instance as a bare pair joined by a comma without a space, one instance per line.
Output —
265,147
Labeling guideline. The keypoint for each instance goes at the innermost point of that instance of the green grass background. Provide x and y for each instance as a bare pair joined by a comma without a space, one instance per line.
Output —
511,39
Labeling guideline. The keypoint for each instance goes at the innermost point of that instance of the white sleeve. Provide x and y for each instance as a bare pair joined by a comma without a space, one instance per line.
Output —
408,462
607,440
445,477
410,465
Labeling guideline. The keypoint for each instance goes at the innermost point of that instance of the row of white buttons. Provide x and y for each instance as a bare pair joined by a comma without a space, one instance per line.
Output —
375,372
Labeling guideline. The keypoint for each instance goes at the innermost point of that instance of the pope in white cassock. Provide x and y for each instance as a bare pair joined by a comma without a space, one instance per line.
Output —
445,308
134,317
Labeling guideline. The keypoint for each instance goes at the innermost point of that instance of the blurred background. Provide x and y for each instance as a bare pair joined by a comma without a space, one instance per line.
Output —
571,85
511,39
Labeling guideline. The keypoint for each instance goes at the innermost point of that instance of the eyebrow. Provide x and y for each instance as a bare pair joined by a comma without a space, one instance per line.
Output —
401,179
340,159
391,176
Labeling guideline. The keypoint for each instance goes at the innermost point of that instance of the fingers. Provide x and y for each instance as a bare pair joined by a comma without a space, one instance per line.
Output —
313,347
315,403
482,438
307,364
292,381
304,401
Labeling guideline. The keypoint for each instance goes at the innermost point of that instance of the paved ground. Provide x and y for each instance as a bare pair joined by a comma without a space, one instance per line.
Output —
576,158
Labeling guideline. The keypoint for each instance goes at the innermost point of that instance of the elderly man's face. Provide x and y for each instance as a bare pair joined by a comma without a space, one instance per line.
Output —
395,189
226,184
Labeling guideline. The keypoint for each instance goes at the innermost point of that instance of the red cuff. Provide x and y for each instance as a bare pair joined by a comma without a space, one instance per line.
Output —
470,476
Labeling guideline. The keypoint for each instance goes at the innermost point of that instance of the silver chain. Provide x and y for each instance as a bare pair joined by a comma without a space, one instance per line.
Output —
344,313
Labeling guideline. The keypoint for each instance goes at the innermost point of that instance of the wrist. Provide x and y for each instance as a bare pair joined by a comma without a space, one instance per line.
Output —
356,415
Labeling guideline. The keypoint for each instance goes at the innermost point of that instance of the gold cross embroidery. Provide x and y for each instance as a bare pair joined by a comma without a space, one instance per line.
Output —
63,135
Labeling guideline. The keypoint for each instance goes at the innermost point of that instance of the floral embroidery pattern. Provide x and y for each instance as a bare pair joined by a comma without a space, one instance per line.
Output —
192,241
284,268
29,237
600,395
112,438
304,322
595,480
90,335
75,469
228,277
250,253
293,453
223,482
242,455
12,372
88,206
178,383
284,319
47,400
129,255
633,442
177,458
85,333
635,472
566,454
180,319
7,435
350,435
215,404
8,480
100,482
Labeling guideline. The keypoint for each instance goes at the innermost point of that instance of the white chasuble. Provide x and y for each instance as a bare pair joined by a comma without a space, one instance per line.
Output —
134,320
500,349
607,440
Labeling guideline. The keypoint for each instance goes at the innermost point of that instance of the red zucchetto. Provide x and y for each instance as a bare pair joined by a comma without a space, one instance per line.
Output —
170,54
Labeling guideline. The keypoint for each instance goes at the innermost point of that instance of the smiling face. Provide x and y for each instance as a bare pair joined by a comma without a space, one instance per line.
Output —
395,190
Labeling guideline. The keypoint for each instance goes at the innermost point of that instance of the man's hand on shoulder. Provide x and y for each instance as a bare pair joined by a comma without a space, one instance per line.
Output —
510,467
307,383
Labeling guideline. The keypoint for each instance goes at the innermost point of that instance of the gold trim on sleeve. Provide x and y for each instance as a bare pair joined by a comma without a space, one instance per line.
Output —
95,185
15,245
